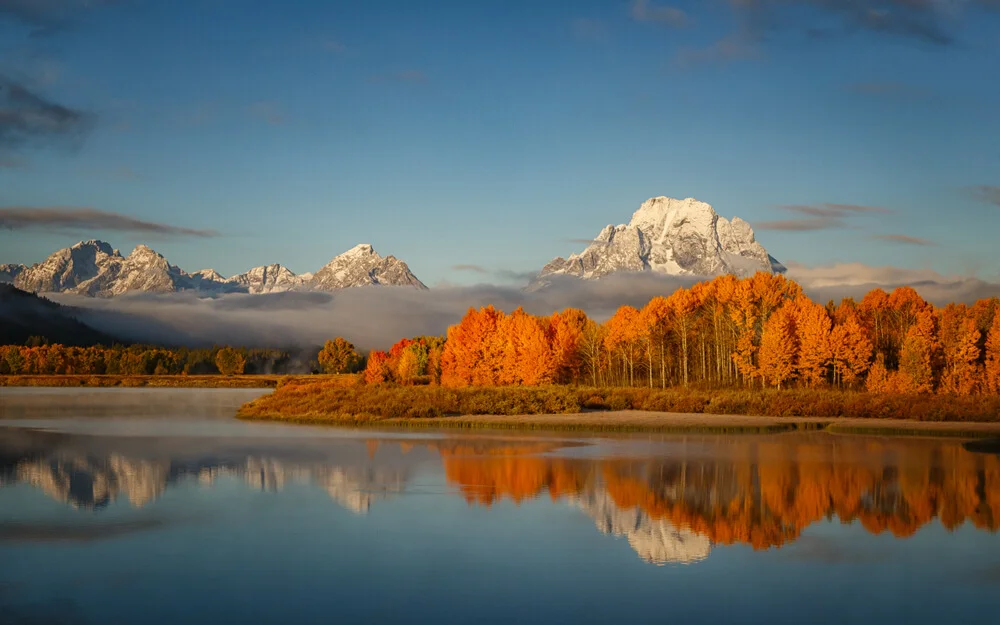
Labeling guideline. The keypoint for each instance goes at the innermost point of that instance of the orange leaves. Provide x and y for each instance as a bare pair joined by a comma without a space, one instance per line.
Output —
527,355
779,346
813,328
566,333
489,348
727,330
992,375
377,370
850,350
960,336
473,350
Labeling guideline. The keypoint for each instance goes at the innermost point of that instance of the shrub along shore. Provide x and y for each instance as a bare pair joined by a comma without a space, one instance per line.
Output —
343,401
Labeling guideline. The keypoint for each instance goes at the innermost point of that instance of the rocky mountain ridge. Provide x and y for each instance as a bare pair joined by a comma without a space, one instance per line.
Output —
672,237
95,269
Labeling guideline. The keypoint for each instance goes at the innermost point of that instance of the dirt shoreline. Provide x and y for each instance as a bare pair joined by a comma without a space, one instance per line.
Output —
639,421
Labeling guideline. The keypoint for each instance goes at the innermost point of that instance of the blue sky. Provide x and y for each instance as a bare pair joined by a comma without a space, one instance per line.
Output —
493,133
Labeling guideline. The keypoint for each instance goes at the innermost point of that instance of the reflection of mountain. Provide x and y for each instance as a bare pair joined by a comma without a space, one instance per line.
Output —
655,540
672,507
84,482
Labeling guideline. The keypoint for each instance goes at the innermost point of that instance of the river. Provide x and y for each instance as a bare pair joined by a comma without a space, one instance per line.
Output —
156,506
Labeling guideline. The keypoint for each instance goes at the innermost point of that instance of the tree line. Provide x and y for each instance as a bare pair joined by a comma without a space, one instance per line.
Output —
39,358
755,332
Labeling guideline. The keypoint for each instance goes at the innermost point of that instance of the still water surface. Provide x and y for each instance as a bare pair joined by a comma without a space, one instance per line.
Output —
157,507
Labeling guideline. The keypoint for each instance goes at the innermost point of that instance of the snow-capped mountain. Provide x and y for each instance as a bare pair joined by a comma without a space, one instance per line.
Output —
94,268
362,266
669,236
267,279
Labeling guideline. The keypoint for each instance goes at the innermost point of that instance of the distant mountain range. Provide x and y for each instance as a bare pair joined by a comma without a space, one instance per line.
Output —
95,269
665,236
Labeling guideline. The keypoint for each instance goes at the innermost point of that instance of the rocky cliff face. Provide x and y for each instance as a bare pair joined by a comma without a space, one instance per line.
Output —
267,279
93,268
673,237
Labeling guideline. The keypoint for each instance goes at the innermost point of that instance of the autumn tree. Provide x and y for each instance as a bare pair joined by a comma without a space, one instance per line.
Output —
778,348
566,335
813,328
377,369
623,337
655,320
339,356
879,379
919,355
961,353
683,305
15,360
992,374
527,356
408,367
229,361
850,350
474,349
591,349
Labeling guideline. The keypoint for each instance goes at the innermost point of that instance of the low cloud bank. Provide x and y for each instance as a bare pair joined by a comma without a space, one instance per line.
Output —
374,318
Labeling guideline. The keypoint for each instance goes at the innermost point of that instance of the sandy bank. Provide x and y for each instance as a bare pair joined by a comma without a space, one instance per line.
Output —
628,420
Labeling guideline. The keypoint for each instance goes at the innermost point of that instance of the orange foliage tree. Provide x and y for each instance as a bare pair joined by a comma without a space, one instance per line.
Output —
718,333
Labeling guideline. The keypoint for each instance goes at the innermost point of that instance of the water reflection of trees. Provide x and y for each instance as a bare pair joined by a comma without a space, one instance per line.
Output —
759,491
762,493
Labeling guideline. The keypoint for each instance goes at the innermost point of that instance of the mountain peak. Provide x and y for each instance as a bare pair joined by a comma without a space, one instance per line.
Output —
361,249
96,244
362,266
673,237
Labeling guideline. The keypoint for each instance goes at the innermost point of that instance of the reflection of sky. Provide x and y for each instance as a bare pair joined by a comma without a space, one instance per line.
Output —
230,551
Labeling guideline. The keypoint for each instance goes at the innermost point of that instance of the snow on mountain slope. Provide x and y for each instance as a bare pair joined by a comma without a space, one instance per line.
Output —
673,237
655,540
363,266
93,268
71,268
266,279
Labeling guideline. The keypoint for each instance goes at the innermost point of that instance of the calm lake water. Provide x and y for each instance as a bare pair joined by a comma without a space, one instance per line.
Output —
134,506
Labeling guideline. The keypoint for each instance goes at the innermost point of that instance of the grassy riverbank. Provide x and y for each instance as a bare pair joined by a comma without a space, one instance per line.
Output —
142,381
342,401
